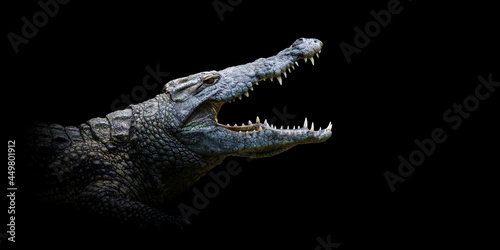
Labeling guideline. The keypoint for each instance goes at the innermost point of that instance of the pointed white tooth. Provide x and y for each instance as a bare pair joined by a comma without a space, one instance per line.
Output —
271,79
242,124
249,122
297,63
312,60
312,126
293,67
305,59
239,97
289,70
288,127
228,125
319,128
305,123
257,120
284,73
281,127
247,94
329,126
265,122
279,80
260,128
317,55
251,88
319,51
236,125
257,83
293,127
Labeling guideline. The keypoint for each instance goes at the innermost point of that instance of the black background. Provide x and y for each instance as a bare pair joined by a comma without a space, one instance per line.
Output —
395,91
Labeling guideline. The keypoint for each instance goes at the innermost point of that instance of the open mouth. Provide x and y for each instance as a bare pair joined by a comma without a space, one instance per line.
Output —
259,125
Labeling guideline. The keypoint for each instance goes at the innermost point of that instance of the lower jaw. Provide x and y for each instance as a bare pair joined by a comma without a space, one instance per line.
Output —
243,128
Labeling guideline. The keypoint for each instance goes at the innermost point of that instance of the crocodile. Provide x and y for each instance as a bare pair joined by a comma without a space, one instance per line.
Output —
133,161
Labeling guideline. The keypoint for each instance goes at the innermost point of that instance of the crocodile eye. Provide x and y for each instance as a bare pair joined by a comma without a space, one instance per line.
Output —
211,80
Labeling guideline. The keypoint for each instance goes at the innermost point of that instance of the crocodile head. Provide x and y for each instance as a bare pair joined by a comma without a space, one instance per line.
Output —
198,98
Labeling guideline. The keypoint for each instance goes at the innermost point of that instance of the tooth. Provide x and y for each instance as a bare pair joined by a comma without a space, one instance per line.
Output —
228,125
247,95
249,122
242,124
239,132
288,127
257,120
305,123
239,97
284,73
329,126
236,125
281,127
257,83
312,60
271,79
297,63
265,122
289,70
251,88
312,126
319,128
260,128
319,51
293,127
293,67
279,80
317,55
305,59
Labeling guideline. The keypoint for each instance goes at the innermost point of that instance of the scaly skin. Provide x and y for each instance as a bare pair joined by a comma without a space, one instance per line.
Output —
125,165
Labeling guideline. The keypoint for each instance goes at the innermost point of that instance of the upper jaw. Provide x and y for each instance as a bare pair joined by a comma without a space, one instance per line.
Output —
237,81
